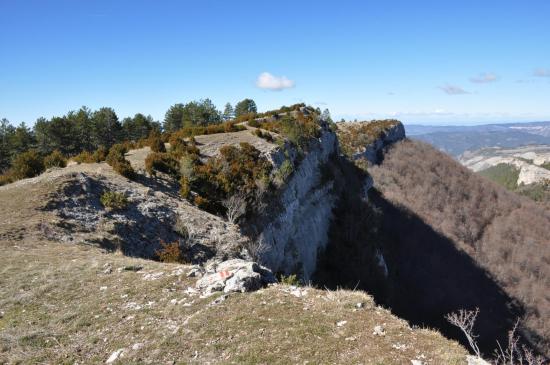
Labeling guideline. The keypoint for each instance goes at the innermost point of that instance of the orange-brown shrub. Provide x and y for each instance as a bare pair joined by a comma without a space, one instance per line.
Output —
170,253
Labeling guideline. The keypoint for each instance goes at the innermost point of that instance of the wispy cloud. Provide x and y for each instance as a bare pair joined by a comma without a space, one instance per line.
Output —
542,72
484,78
268,81
453,90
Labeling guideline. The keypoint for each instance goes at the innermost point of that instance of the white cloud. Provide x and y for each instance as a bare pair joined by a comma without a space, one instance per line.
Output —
453,90
484,78
268,81
541,72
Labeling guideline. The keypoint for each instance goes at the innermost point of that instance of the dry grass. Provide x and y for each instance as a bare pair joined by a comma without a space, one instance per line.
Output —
60,304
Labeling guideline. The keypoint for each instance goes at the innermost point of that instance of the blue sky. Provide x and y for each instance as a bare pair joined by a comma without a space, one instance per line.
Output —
431,62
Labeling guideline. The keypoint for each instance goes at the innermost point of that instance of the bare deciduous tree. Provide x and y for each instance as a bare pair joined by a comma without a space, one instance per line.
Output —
236,207
513,354
465,320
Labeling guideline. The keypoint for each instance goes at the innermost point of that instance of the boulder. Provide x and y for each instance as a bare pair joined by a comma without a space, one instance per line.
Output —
234,275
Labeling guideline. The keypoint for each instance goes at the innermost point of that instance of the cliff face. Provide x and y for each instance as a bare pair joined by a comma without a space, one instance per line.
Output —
291,241
373,151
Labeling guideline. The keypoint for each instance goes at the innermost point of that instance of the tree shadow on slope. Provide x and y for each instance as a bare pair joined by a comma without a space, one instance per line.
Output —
407,266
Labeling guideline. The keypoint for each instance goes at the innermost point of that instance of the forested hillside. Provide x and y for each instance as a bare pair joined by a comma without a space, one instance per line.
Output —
506,235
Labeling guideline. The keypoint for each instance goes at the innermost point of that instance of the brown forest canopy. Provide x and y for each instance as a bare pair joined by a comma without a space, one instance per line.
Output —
506,234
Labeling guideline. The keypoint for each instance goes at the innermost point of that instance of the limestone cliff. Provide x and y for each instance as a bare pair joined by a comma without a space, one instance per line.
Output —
366,140
292,238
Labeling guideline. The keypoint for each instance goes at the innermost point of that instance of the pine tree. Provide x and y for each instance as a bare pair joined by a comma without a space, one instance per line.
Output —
245,106
228,112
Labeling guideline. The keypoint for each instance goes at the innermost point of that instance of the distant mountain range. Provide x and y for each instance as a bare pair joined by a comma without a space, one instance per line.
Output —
455,140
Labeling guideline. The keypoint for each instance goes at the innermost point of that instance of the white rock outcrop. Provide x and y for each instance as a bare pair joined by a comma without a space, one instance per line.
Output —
235,275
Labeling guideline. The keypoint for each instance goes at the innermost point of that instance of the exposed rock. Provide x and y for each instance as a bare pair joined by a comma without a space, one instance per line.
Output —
526,159
291,241
373,151
235,275
474,360
196,271
114,356
379,331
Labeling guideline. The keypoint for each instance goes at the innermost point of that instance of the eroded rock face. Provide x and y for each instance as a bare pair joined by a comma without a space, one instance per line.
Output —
291,241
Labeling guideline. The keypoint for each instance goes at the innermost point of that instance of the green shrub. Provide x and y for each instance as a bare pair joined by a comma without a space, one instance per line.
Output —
296,127
118,162
83,157
265,135
162,162
100,154
156,143
254,123
27,164
226,127
114,200
289,280
185,188
187,165
55,159
285,170
97,156
118,150
179,147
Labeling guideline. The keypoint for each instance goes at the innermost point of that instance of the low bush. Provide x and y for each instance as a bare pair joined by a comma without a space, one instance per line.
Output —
161,162
118,162
240,169
226,127
283,173
179,146
97,156
6,178
254,123
27,164
155,142
202,203
114,200
55,159
289,280
265,135
83,157
185,188
171,253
